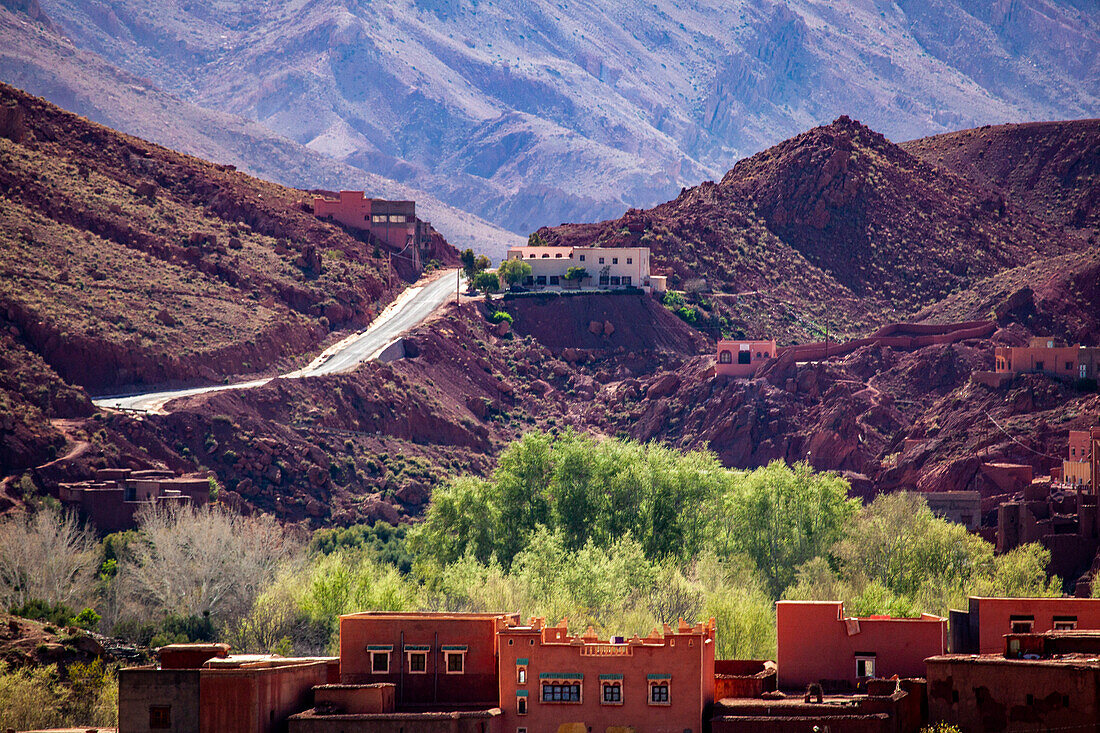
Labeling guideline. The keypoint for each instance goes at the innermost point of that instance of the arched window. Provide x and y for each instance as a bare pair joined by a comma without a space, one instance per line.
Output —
725,357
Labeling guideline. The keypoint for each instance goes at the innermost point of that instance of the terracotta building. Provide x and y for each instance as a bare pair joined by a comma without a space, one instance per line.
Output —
201,688
1048,356
111,501
982,627
392,223
662,683
1082,459
741,359
1037,682
817,643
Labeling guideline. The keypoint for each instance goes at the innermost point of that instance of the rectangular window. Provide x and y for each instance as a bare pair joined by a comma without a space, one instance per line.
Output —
540,279
160,716
614,260
380,662
1065,623
521,730
604,280
615,280
418,662
1039,365
521,675
626,279
554,280
658,693
455,661
582,258
630,260
1069,366
561,692
1021,624
612,693
601,260
521,705
865,665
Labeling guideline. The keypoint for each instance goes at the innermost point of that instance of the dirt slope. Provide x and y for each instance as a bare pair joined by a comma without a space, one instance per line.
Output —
126,263
1050,168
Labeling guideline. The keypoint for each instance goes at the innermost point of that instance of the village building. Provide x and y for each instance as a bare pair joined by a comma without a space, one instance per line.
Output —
818,644
393,223
111,501
741,359
202,688
1036,681
605,267
1083,459
550,678
1049,356
961,507
982,627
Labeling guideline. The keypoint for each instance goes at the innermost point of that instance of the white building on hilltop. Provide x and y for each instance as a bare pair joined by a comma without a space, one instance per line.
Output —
605,267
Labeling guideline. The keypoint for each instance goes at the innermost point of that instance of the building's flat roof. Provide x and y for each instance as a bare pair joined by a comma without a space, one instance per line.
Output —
1082,661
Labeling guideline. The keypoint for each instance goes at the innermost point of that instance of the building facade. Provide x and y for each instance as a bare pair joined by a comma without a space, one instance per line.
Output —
605,267
817,643
663,683
742,359
393,223
1082,460
1049,356
982,627
961,507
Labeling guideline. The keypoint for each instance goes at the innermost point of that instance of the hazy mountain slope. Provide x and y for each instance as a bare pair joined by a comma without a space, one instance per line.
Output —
531,112
125,263
1051,168
34,57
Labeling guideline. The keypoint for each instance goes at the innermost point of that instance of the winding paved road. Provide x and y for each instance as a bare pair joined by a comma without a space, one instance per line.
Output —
408,311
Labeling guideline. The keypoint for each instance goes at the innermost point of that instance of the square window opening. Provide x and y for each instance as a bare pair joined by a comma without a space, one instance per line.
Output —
160,716
455,662
379,662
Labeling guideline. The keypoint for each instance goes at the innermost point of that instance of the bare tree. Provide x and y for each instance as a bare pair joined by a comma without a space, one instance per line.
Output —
45,556
206,560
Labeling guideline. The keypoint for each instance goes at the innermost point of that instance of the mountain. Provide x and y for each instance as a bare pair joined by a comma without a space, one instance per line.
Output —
836,225
35,57
127,263
533,112
1050,168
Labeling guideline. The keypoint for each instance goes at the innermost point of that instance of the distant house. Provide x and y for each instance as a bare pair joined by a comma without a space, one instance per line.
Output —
1083,460
606,267
1049,356
115,496
961,507
394,223
743,358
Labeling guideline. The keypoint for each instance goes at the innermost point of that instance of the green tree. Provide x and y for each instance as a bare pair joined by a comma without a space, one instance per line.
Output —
486,282
781,516
576,274
468,260
514,272
534,240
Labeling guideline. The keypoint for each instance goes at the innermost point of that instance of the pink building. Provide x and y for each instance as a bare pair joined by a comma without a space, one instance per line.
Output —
1083,460
1049,356
982,628
394,223
663,683
818,643
741,359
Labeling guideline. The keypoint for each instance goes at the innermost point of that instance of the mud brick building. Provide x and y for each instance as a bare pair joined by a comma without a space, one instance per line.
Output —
1037,682
202,688
1049,356
111,501
664,682
982,627
817,643
741,359
606,267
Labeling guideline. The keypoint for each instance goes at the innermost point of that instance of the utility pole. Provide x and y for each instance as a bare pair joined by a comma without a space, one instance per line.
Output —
389,268
826,340
458,285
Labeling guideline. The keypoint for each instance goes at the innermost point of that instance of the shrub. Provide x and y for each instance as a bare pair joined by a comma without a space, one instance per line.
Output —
498,316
